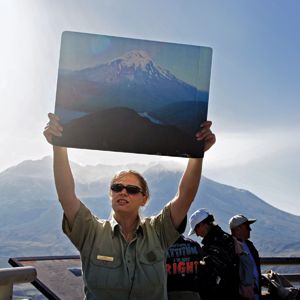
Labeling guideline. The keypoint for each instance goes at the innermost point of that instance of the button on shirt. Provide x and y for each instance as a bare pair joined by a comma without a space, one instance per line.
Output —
116,269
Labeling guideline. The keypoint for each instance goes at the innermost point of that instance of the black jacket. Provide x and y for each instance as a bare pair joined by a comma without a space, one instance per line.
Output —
219,274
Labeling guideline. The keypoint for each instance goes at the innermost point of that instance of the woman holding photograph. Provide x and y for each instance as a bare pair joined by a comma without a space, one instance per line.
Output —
124,257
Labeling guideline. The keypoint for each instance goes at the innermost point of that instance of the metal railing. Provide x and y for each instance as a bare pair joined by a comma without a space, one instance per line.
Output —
283,261
11,276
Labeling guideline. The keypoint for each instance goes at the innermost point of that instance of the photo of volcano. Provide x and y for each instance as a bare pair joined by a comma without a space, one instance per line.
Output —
131,95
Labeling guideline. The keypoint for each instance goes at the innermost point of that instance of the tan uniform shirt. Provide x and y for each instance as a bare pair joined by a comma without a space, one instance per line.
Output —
116,269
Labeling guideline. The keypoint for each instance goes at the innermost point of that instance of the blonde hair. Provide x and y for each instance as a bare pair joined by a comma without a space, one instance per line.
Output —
140,178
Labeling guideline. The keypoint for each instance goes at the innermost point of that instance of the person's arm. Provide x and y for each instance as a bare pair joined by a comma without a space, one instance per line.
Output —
63,176
190,180
64,183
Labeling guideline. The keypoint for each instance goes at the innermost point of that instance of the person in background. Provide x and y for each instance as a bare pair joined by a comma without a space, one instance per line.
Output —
240,229
218,271
246,278
183,259
124,257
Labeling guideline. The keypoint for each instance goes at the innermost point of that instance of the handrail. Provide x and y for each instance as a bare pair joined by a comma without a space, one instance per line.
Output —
11,276
265,261
282,261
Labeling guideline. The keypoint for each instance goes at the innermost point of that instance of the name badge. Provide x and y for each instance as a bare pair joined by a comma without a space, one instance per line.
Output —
105,258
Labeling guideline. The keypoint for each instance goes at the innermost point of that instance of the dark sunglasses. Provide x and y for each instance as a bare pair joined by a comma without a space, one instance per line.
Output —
131,189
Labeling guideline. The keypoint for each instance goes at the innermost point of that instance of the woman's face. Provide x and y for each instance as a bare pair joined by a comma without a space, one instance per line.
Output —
201,229
123,201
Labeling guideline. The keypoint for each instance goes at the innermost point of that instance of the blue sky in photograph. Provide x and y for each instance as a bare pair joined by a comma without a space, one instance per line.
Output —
189,63
254,89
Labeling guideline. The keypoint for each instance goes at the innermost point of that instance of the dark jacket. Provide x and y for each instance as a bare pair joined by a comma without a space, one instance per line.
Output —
219,274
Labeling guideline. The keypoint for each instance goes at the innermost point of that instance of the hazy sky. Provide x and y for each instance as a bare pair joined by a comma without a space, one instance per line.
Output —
79,51
254,92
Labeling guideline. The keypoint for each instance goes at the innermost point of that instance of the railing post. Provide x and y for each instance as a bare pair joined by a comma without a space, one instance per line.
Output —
10,276
6,291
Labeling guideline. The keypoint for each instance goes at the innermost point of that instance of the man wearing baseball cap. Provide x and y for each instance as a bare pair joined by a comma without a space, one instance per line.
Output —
218,271
240,229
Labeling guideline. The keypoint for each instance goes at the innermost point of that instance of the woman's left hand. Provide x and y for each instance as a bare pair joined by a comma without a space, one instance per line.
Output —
206,135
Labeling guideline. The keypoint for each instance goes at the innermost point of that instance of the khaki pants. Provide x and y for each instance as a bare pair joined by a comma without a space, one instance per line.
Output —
183,295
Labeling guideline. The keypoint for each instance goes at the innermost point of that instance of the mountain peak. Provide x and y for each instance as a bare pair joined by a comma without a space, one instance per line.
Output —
140,60
137,58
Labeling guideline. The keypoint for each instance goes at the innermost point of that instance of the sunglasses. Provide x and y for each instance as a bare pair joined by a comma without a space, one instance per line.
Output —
131,189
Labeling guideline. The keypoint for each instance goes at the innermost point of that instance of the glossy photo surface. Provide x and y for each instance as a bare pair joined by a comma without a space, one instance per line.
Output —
130,95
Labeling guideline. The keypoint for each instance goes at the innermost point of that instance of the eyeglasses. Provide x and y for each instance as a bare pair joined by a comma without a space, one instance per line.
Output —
131,189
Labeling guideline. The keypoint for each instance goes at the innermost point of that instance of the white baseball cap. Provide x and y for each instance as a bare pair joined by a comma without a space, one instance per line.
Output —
238,220
197,217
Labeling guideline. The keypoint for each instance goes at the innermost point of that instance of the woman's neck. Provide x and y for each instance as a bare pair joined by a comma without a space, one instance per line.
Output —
128,224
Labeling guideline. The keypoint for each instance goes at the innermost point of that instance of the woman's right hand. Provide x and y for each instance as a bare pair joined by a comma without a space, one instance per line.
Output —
53,128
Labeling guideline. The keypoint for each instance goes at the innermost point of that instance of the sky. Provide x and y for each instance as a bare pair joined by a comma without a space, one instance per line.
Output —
79,51
254,89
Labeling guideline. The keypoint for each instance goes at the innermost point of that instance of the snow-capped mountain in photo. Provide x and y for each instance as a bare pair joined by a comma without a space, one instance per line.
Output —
133,80
135,65
135,61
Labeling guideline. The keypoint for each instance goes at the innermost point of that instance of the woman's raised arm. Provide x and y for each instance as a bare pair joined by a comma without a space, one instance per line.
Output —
190,180
64,180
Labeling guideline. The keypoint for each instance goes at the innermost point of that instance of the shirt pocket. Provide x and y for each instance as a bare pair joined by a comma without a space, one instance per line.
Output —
105,271
152,266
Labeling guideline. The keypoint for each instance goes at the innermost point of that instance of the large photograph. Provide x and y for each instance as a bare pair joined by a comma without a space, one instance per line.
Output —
130,95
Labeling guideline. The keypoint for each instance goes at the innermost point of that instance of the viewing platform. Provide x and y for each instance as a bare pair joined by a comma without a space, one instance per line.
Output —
47,273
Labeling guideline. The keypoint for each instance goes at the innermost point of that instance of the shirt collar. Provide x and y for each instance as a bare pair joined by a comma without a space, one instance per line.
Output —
115,227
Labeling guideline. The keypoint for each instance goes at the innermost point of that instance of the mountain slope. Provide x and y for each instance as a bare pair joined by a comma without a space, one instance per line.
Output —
30,215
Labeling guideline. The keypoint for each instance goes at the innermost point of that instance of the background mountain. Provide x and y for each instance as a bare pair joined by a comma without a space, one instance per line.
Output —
30,215
134,81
